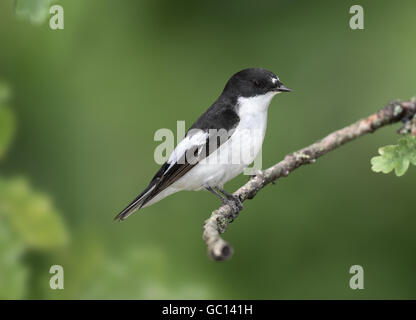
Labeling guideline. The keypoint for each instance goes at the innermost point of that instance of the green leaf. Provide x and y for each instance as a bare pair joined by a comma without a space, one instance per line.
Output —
396,157
13,274
36,11
31,215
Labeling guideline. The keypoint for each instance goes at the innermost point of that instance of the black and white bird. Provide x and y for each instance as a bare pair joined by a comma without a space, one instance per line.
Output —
220,144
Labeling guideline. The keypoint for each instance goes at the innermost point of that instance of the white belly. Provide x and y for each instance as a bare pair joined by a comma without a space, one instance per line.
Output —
236,154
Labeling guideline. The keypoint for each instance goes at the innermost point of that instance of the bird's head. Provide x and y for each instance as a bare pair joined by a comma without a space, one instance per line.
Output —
254,82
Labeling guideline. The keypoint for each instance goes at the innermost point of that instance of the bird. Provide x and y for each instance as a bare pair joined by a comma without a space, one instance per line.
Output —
221,143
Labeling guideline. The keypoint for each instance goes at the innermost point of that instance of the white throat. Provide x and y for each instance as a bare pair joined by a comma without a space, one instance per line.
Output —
253,111
254,104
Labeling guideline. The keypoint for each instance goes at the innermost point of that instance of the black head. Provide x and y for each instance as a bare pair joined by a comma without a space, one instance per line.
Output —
253,82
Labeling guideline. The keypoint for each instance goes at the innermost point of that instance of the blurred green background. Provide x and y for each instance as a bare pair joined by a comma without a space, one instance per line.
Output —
87,100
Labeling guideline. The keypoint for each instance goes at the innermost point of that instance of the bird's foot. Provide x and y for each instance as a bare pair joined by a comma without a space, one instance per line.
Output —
236,205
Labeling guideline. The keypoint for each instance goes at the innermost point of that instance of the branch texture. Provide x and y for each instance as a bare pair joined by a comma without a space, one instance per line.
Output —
219,249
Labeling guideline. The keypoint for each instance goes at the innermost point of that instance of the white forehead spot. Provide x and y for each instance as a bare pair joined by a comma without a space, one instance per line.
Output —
274,80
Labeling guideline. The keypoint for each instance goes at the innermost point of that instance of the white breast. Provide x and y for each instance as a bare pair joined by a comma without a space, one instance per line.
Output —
240,150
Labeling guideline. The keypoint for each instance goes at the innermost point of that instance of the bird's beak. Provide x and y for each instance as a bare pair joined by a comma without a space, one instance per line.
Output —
283,88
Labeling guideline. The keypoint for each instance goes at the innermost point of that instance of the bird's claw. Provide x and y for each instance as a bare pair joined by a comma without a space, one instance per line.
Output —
236,206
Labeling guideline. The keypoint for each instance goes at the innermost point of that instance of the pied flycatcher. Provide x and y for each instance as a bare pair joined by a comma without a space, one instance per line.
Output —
220,144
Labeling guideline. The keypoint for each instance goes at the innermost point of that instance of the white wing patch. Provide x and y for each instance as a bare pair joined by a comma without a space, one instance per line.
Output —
193,139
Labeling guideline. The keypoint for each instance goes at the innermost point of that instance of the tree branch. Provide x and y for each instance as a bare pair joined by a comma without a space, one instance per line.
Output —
219,249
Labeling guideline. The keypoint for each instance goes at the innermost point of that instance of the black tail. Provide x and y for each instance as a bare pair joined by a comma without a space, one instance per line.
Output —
136,204
155,186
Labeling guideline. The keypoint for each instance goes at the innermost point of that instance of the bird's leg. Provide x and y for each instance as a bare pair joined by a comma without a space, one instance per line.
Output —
214,192
233,201
237,204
